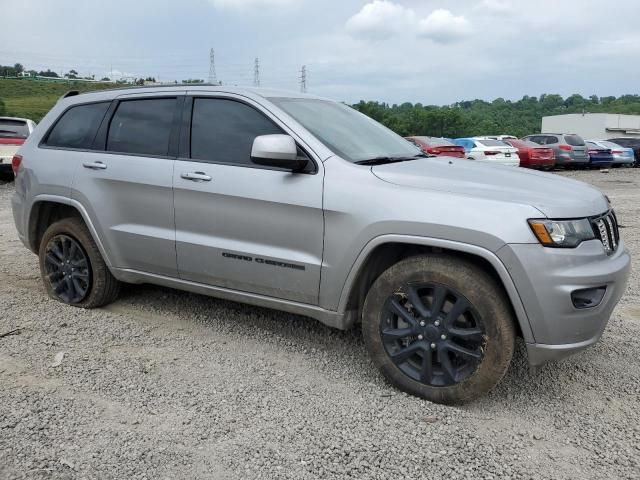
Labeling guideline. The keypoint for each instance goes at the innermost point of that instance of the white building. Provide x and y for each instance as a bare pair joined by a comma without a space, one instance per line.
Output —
593,125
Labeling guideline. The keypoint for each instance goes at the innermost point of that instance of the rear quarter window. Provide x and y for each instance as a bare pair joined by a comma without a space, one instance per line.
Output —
574,140
77,127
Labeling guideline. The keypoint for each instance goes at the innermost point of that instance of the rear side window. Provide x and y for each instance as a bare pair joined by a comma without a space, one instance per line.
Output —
142,126
13,128
78,126
223,130
574,140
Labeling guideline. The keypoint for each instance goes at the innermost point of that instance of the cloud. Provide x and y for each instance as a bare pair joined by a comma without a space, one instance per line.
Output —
496,6
381,19
248,4
442,26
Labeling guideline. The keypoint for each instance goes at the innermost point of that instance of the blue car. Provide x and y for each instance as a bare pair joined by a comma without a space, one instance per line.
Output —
599,157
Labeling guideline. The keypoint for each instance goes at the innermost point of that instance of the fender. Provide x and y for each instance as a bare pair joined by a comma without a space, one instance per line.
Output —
487,255
83,213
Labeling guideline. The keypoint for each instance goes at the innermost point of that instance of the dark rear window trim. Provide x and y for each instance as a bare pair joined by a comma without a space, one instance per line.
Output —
184,153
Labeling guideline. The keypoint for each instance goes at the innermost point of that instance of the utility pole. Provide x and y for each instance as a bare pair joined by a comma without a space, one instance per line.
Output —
256,73
303,79
213,79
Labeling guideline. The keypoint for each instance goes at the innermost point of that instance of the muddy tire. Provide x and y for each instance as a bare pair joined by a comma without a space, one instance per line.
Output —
72,267
439,328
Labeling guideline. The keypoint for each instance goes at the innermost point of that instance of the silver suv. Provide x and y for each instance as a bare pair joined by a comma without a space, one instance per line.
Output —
570,149
304,205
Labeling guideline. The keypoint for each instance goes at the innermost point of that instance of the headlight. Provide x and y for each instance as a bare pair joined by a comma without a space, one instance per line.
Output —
562,233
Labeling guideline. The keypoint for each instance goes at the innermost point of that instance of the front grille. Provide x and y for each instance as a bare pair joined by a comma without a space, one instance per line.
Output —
605,228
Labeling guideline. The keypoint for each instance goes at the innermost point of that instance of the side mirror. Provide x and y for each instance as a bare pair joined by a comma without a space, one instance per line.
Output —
277,151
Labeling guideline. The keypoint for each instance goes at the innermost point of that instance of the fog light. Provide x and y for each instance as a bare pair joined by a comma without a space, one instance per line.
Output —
588,297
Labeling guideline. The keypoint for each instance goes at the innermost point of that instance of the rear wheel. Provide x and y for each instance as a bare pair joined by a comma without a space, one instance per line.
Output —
439,328
72,268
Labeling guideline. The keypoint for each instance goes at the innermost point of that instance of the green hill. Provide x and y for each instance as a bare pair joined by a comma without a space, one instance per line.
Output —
33,99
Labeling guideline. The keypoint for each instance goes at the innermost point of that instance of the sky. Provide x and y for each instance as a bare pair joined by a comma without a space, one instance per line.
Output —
429,51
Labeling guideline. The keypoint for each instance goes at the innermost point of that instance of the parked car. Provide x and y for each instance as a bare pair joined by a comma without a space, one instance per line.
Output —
437,146
302,204
630,142
622,156
533,155
490,151
569,149
13,132
600,157
497,137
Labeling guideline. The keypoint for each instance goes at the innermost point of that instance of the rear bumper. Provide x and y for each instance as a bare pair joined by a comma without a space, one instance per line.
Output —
568,160
545,279
5,164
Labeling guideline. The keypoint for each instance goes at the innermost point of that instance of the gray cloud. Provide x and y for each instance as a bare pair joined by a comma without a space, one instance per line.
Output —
500,48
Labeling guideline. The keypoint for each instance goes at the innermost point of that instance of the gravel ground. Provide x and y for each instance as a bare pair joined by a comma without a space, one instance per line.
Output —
166,384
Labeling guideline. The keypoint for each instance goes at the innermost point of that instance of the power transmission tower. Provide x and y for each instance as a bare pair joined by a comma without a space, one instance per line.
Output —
213,79
303,79
256,73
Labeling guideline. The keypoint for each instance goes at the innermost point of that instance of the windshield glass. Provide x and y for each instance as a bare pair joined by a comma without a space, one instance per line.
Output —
13,128
492,143
348,133
436,142
574,140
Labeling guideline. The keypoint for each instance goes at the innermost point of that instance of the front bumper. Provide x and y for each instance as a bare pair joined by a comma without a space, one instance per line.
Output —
545,279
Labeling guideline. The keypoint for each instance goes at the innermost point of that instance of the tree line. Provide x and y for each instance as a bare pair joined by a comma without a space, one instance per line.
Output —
479,117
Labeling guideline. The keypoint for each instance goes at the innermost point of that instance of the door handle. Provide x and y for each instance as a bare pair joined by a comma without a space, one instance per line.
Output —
95,165
196,177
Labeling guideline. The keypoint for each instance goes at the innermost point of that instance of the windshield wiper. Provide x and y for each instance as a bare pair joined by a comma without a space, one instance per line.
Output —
386,159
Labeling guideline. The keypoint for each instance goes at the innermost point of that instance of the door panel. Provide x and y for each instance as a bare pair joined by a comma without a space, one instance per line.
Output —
131,207
240,226
250,229
128,193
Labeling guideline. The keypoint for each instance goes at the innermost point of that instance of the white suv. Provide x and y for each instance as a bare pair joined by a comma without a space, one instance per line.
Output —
13,133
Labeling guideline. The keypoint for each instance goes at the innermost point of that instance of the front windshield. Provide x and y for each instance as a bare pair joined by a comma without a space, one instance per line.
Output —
348,133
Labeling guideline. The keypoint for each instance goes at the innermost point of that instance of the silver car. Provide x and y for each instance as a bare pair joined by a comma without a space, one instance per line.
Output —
570,149
622,156
302,204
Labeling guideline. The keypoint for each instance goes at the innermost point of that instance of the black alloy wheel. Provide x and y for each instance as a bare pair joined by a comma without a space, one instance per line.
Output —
67,269
432,333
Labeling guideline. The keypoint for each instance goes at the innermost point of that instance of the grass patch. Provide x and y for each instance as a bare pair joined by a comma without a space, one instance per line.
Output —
33,99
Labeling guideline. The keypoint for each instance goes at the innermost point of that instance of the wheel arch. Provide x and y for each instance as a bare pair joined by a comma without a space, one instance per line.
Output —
47,209
384,251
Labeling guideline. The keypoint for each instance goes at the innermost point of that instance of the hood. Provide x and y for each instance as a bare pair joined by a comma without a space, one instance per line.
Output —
555,196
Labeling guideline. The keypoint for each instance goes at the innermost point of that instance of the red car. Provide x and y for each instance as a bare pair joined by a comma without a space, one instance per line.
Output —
533,155
437,146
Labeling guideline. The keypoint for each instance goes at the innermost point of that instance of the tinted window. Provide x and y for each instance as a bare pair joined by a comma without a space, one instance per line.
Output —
224,130
574,140
142,126
78,126
13,128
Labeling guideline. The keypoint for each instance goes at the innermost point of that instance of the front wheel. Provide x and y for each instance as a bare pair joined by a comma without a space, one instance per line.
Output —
439,328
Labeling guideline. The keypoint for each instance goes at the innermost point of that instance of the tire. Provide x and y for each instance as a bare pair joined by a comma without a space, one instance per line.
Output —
95,286
486,322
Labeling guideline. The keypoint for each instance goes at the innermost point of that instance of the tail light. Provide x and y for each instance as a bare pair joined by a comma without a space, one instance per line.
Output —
617,152
16,161
565,147
491,152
